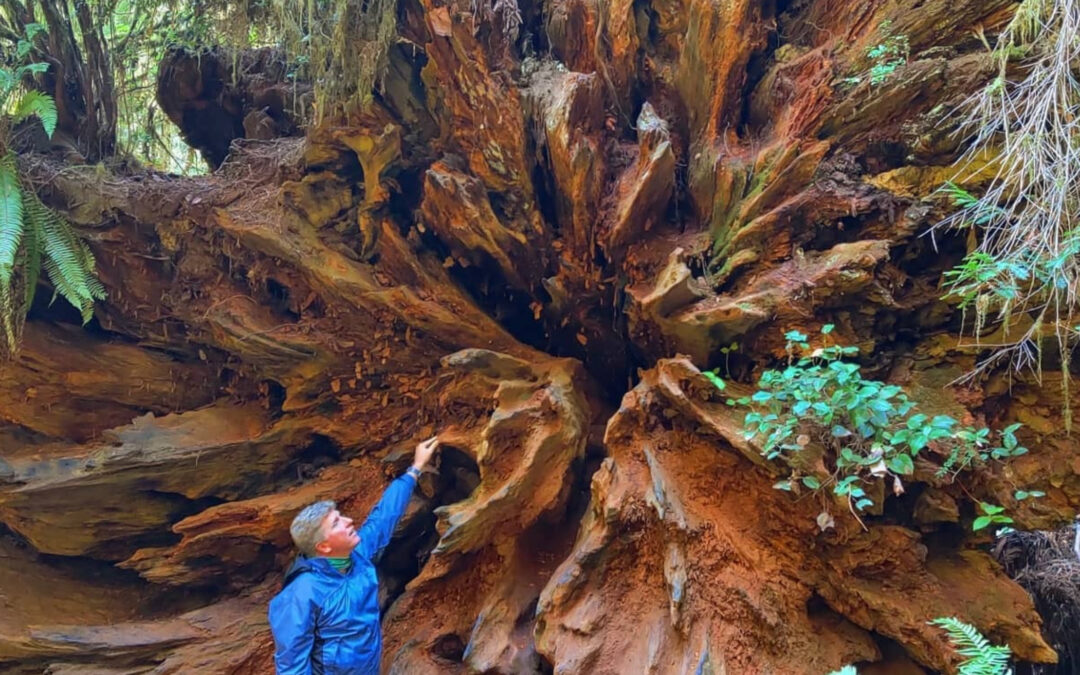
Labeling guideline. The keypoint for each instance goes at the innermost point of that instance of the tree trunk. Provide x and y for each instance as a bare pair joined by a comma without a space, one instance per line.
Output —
502,252
79,78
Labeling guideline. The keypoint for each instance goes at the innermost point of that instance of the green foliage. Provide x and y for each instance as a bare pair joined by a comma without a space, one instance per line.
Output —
35,103
32,236
870,429
981,657
1024,272
992,514
341,46
884,58
134,35
138,33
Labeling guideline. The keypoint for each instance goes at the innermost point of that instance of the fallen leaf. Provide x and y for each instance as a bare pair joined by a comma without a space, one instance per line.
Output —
825,521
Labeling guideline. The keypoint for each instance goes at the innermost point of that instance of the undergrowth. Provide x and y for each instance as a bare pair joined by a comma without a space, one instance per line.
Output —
33,236
839,430
1023,276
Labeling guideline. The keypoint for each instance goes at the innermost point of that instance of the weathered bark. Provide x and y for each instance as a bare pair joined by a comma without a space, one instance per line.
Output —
499,251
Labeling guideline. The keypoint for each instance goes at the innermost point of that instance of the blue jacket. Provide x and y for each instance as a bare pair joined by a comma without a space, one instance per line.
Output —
326,622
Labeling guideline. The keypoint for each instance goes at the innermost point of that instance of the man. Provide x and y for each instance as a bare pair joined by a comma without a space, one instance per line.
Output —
326,617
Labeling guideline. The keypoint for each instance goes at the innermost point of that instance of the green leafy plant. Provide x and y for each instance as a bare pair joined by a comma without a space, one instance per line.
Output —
32,236
885,57
869,430
727,352
1023,275
992,514
981,657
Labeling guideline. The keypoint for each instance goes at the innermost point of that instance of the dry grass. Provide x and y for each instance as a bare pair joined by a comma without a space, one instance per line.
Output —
1026,267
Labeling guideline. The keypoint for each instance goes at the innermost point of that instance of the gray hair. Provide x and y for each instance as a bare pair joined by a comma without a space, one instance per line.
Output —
306,528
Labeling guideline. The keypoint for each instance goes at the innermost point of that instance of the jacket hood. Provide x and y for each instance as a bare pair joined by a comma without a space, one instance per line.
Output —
300,565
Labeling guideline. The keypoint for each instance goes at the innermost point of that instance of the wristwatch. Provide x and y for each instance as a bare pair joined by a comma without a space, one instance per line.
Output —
414,472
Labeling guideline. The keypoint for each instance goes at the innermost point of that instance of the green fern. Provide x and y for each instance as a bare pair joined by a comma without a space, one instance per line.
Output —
33,237
982,658
11,217
36,103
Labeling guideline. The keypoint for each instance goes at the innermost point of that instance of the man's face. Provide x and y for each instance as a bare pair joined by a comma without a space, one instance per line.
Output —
339,536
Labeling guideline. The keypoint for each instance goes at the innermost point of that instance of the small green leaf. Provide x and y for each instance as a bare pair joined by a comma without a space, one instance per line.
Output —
811,482
32,29
715,379
827,328
916,421
902,465
783,485
980,523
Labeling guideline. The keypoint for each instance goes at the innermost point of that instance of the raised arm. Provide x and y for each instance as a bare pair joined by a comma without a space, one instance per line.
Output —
380,523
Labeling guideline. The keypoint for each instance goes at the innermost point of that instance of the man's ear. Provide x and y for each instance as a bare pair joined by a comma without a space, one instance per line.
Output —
322,547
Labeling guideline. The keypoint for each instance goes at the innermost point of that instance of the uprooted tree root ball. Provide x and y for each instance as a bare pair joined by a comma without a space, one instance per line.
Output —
560,235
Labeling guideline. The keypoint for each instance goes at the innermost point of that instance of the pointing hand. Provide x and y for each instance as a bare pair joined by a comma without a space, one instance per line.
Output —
424,451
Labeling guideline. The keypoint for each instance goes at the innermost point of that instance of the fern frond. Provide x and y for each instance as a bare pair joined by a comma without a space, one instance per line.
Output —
982,658
11,217
93,284
37,103
67,261
9,321
30,264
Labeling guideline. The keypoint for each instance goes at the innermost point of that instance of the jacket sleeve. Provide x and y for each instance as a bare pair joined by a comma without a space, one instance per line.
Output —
292,622
376,531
